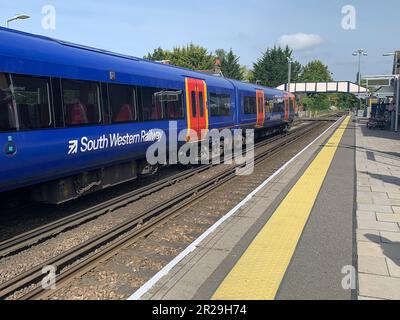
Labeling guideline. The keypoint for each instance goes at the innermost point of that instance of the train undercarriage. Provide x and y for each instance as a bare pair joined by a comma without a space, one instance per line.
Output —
73,187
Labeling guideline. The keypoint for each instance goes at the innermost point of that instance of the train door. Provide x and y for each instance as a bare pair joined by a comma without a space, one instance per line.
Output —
287,108
260,108
197,112
292,106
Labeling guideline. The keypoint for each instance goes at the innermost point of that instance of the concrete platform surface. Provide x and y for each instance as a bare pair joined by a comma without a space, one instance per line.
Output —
348,246
378,213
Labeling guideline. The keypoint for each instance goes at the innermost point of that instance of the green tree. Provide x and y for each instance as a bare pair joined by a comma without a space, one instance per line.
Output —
220,53
344,100
248,74
316,71
191,56
230,66
316,102
158,55
272,68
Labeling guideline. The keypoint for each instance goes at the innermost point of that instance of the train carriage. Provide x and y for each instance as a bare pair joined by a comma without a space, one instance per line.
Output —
75,119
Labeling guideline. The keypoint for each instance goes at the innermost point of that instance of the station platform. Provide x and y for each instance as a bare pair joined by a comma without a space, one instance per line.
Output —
325,226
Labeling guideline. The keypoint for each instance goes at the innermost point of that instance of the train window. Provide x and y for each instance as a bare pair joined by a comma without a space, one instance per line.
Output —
8,111
201,101
81,102
122,103
220,104
106,103
32,99
57,103
151,105
269,105
250,105
172,103
194,105
279,106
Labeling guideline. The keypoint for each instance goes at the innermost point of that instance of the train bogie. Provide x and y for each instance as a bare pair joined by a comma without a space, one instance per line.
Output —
73,187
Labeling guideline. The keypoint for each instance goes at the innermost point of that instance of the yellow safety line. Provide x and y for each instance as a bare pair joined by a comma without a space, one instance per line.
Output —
259,272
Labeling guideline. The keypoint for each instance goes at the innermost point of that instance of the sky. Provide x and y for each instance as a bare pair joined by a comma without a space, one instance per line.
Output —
313,28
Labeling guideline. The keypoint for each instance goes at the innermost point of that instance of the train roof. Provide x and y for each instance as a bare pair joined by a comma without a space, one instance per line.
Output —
63,55
246,86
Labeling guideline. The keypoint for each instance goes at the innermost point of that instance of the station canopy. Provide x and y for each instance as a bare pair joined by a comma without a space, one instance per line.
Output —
325,87
383,85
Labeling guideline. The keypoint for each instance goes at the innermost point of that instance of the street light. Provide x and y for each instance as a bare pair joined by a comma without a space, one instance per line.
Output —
290,61
394,55
18,16
359,53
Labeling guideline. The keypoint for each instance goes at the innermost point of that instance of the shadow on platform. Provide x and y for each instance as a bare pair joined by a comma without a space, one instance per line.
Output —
387,252
380,133
384,178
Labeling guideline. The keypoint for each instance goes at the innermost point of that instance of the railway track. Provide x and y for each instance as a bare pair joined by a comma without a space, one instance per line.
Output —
81,258
43,233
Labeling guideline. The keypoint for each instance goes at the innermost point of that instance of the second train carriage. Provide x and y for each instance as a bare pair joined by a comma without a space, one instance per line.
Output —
75,119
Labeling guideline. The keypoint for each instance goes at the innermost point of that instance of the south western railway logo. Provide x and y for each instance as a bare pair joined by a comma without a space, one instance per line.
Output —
112,140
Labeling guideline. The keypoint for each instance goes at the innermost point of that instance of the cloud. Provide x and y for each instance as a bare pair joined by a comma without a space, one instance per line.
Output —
301,41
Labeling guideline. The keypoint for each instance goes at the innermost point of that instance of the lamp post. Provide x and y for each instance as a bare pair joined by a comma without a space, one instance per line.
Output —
395,56
18,16
290,60
359,53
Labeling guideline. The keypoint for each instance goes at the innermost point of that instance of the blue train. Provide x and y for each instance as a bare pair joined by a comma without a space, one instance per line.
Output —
75,119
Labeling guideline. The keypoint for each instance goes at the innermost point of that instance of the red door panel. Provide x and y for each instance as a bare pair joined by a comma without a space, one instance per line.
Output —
196,108
203,111
294,105
286,108
191,107
260,108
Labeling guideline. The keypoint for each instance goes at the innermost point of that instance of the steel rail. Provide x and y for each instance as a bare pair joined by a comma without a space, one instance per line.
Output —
132,227
45,232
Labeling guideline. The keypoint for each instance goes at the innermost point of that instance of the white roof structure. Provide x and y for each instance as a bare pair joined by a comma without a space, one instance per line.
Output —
384,85
324,87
